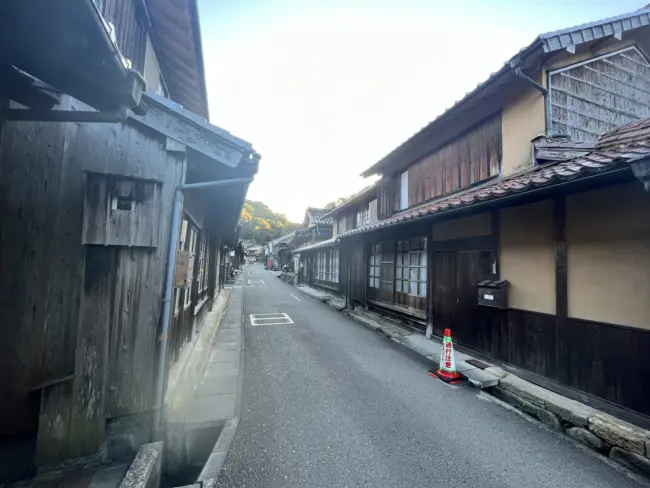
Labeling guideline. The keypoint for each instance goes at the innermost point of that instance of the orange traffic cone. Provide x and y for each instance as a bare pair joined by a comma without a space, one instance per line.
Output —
447,369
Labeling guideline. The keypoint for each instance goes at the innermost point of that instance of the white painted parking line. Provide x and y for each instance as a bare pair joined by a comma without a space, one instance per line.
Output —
274,318
294,296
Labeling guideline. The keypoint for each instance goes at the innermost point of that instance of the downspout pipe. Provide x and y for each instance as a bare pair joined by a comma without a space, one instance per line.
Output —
544,92
161,370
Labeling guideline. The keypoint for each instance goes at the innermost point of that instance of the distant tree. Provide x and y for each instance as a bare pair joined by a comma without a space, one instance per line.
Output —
261,223
338,201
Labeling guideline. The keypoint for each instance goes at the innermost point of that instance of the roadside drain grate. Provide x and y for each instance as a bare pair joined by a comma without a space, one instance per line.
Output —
276,318
477,363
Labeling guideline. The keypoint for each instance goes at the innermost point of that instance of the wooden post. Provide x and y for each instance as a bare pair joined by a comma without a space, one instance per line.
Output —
561,286
88,422
561,293
430,284
496,244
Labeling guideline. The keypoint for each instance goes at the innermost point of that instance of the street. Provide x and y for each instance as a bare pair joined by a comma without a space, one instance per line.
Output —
328,403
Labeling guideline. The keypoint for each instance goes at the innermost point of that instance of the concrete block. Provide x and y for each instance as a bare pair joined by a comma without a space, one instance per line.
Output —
566,409
633,461
573,412
618,433
480,378
496,371
583,436
523,389
145,470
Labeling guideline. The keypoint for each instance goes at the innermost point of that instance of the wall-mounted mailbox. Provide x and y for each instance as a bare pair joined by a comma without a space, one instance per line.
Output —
493,294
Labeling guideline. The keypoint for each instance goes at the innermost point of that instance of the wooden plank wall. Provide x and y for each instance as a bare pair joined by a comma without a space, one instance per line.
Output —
597,96
387,196
43,336
33,231
473,157
129,31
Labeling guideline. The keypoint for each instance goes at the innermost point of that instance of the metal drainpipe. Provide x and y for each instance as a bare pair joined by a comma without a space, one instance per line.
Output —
177,208
547,98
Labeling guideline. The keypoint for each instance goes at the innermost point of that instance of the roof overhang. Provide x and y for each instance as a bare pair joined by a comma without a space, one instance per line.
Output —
490,94
366,195
177,36
212,154
67,45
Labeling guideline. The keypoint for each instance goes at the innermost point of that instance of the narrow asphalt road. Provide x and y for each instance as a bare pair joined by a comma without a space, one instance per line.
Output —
328,403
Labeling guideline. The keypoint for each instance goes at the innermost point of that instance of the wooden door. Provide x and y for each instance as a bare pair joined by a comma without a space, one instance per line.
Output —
472,267
445,299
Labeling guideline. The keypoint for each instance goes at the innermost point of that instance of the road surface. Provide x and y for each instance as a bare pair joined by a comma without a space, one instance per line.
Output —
328,403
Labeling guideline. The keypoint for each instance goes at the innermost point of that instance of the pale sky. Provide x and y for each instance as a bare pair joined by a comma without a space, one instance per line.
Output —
323,89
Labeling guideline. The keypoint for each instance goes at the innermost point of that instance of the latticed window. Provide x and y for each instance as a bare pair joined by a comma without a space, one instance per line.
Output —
203,263
335,266
374,260
190,245
411,266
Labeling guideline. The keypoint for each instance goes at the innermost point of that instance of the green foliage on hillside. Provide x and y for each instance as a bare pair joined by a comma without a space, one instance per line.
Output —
261,223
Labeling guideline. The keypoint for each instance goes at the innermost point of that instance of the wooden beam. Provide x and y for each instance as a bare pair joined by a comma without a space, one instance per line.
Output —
203,141
561,292
430,284
496,244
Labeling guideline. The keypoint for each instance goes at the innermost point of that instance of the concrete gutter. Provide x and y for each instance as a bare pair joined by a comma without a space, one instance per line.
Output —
199,433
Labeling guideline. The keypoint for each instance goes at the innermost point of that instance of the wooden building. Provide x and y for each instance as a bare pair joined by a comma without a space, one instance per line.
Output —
89,169
316,227
531,184
319,263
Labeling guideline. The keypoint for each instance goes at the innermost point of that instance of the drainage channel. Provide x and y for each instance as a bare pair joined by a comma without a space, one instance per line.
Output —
198,444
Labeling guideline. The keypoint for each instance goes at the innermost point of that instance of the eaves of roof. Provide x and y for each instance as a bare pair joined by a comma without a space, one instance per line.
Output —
543,44
614,150
177,38
367,193
319,245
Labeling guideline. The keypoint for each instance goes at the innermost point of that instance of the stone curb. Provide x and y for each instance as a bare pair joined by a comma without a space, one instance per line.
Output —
622,442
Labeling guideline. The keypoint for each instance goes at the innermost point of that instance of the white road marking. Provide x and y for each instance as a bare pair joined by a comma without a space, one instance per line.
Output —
249,282
274,318
263,282
294,296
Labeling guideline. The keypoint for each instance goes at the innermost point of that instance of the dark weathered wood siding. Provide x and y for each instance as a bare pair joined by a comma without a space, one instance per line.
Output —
130,33
52,327
597,95
387,197
471,158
